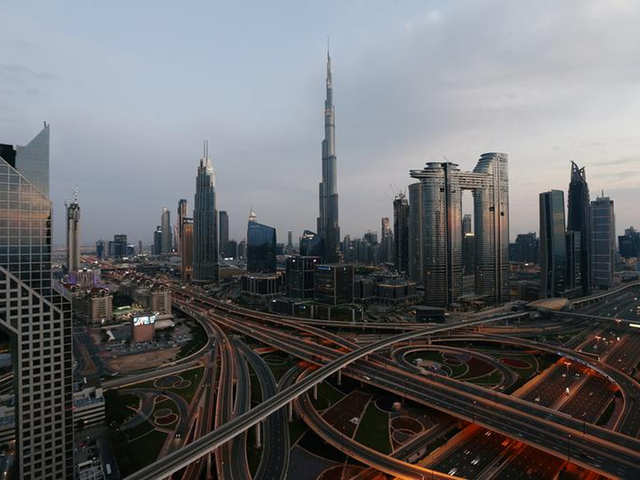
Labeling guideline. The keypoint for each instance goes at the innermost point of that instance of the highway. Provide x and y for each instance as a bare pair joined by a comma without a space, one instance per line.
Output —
513,417
274,462
211,441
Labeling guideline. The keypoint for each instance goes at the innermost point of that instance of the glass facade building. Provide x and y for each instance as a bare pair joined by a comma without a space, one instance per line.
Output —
261,248
579,220
553,245
310,244
435,229
401,233
35,316
205,223
603,242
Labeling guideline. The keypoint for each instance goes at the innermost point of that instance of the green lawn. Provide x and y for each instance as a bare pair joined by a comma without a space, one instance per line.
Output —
373,430
198,340
194,376
117,406
327,396
132,456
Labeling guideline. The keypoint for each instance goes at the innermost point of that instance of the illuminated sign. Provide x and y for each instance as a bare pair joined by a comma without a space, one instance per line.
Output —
634,325
144,320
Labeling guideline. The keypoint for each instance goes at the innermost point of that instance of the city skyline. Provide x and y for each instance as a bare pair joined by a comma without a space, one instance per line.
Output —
408,71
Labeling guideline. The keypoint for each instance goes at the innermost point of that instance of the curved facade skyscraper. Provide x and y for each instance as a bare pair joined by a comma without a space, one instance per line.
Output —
205,223
328,226
73,236
435,228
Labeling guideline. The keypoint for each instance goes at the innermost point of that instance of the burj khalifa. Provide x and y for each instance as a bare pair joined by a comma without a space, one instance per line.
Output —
328,227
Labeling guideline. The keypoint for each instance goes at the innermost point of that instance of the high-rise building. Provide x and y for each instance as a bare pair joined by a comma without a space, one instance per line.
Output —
579,220
416,265
140,247
310,244
261,247
205,223
525,248
436,226
333,284
401,233
242,249
224,232
118,247
100,249
38,319
186,252
629,243
182,213
289,240
166,231
553,244
328,226
157,240
574,259
73,236
603,241
386,240
468,246
299,275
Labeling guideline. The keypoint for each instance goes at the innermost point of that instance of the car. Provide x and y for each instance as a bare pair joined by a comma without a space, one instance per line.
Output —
453,471
467,452
475,461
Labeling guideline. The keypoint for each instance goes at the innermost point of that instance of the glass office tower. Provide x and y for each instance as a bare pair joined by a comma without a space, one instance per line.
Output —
579,220
553,246
38,319
261,247
205,223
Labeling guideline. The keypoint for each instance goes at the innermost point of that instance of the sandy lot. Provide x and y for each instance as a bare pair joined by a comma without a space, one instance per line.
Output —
142,361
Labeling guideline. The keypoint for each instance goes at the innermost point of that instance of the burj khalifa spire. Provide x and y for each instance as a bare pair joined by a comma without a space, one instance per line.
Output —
328,227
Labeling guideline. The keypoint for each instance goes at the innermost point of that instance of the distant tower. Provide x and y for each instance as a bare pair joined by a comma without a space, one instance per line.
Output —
73,235
386,240
166,231
186,253
290,240
157,241
224,232
328,227
401,233
205,223
182,213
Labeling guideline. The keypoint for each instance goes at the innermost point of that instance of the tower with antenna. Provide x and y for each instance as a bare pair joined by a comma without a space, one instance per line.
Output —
73,233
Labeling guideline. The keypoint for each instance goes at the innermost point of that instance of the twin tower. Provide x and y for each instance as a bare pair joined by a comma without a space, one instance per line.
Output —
435,228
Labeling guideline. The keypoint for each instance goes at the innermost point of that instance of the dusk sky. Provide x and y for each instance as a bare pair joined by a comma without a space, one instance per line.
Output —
131,89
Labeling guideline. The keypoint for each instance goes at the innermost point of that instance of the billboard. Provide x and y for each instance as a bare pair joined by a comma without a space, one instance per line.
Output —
144,320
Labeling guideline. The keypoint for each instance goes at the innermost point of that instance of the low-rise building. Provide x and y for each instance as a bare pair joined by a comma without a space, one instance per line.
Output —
88,407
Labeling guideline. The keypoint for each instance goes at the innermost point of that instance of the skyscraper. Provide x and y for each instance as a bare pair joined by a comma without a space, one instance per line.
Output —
224,232
100,249
416,266
205,223
579,220
182,213
603,241
311,244
328,227
553,244
261,246
157,241
401,233
186,252
436,228
73,236
38,319
166,231
386,240
290,240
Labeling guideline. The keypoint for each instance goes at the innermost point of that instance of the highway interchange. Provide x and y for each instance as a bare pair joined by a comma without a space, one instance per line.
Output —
534,427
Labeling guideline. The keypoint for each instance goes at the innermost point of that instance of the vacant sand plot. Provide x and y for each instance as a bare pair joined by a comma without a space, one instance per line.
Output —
142,361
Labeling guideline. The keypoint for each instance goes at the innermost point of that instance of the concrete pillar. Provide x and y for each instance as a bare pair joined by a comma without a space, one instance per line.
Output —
315,392
258,435
290,406
339,377
429,339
